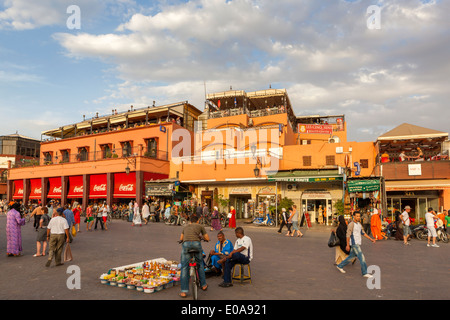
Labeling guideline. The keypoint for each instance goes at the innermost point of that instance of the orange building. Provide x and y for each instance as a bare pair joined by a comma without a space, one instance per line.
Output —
105,158
251,149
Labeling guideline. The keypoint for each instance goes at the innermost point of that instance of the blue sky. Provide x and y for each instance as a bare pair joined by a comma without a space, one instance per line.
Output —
133,52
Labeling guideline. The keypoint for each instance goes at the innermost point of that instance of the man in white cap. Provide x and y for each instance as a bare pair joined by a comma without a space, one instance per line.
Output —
406,225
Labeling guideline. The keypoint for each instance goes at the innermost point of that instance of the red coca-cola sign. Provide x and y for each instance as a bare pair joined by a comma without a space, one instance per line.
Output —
98,186
125,185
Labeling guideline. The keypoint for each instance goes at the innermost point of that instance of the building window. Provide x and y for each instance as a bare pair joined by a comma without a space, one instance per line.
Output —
306,161
364,163
65,154
82,154
127,149
106,151
330,161
152,148
48,158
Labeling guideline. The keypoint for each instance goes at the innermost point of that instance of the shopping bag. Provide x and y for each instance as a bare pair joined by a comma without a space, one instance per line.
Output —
67,253
74,231
333,241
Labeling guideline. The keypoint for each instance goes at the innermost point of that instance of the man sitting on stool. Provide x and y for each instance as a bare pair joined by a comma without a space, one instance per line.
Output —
242,253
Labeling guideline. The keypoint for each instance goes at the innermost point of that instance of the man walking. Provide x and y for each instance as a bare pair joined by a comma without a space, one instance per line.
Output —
406,225
57,230
354,233
284,219
429,218
68,214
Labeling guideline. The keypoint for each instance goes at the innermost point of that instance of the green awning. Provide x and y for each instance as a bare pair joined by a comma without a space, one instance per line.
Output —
306,176
363,185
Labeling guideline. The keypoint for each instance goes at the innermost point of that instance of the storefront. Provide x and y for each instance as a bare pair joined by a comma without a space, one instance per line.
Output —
318,205
314,192
365,193
419,201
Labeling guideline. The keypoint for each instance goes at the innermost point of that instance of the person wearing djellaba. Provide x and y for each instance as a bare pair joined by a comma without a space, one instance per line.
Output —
223,248
14,222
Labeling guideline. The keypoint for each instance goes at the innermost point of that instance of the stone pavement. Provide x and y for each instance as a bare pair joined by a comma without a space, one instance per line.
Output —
283,268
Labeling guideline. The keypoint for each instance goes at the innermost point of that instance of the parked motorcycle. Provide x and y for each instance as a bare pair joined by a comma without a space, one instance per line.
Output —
176,220
268,221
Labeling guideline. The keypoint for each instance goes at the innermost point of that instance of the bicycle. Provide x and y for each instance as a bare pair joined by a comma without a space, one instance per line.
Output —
193,272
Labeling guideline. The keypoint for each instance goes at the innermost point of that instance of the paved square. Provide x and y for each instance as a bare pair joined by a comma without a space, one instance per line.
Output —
283,268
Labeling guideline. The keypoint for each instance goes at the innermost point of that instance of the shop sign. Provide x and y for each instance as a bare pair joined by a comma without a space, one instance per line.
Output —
316,195
315,128
415,169
240,190
298,179
363,185
266,190
159,190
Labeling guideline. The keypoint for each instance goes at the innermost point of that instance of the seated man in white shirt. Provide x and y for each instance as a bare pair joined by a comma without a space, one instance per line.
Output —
242,253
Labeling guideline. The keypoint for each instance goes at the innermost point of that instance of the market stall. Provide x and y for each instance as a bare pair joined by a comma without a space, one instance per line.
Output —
147,276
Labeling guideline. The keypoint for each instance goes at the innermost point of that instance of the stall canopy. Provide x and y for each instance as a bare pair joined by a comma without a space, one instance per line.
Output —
35,189
97,189
18,189
408,131
54,191
75,187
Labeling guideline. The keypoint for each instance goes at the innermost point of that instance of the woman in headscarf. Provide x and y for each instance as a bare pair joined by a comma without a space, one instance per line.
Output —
136,215
14,221
215,220
232,220
341,233
398,221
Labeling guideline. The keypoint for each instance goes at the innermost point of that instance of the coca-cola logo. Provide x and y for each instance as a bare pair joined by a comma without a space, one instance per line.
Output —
37,190
20,191
78,189
127,187
57,189
101,187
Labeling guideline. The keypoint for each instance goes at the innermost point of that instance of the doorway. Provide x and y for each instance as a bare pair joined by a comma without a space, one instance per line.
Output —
239,202
319,210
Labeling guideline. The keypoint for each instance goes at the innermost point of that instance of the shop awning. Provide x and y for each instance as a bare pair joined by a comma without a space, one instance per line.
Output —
55,188
18,189
97,186
306,176
363,185
75,187
411,185
125,185
35,189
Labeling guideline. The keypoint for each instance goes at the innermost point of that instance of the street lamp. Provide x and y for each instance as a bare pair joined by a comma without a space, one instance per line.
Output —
256,171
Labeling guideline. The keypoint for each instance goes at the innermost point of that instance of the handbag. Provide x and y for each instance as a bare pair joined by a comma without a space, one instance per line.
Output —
333,241
74,231
67,253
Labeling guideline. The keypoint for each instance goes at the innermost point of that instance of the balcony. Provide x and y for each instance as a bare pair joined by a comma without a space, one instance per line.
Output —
415,170
84,156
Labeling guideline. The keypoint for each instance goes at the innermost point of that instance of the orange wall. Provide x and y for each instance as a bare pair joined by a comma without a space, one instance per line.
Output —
94,141
293,155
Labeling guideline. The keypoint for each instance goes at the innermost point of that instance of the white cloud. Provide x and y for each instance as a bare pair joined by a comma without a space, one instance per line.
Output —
323,54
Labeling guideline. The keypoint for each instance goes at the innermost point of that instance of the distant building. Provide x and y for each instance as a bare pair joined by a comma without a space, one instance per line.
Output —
15,151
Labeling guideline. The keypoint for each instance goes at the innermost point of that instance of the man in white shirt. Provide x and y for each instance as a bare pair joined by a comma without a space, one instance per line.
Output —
406,224
429,219
354,239
242,253
57,231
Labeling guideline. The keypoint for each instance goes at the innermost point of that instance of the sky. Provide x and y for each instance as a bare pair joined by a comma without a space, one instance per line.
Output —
327,56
